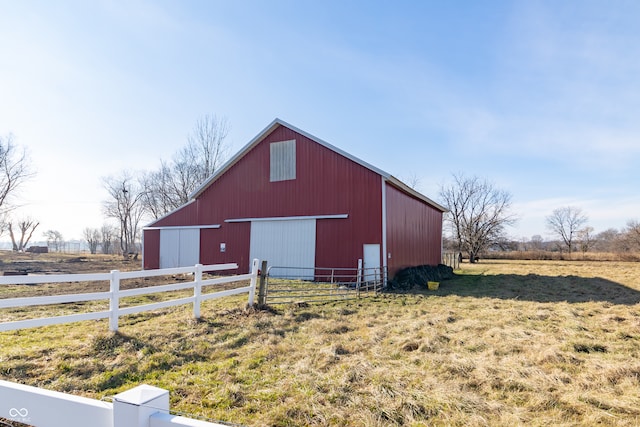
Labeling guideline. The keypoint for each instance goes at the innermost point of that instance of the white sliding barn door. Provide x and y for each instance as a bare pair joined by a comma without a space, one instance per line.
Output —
179,247
285,243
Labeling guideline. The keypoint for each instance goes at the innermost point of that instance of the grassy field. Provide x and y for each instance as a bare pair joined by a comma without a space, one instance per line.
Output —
504,343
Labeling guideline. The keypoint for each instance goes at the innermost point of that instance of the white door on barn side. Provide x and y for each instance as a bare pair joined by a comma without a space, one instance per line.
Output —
285,243
371,262
179,247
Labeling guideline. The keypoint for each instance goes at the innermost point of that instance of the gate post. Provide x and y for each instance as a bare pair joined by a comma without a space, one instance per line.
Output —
262,291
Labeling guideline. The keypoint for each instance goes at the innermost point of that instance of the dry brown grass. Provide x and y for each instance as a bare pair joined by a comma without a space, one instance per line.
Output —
504,343
562,256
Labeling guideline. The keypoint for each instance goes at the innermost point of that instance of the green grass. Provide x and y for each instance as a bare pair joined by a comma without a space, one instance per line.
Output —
504,343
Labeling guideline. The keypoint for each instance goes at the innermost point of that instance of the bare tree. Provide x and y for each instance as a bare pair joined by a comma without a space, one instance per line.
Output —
632,235
170,186
478,213
585,239
412,180
206,145
607,240
26,227
125,207
14,171
537,243
107,238
55,240
565,223
92,236
160,196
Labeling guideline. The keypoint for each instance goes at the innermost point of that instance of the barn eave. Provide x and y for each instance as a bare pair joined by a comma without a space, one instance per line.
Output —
168,214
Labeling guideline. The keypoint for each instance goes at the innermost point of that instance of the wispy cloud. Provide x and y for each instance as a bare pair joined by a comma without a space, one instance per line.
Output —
538,96
570,76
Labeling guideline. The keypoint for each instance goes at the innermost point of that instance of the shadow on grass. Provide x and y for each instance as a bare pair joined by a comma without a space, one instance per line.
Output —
533,287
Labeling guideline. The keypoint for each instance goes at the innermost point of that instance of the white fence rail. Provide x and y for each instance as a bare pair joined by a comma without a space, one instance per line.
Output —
142,406
115,293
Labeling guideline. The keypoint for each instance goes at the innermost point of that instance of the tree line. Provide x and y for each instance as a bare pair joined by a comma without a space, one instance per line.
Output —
142,196
477,220
134,197
15,170
479,214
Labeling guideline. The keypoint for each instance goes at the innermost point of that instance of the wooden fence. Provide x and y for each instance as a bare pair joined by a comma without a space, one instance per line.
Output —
451,259
115,293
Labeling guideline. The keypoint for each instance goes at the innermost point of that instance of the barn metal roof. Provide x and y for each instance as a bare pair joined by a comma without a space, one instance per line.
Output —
278,122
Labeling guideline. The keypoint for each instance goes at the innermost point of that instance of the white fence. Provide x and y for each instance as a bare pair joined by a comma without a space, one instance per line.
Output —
115,294
142,406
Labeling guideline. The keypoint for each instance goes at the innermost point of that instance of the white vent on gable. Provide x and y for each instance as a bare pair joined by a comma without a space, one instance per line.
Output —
283,160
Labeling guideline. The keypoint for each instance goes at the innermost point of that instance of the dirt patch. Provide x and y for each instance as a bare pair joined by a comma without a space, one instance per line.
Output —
61,263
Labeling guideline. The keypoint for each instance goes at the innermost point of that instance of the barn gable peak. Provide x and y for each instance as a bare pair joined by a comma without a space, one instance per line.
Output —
279,122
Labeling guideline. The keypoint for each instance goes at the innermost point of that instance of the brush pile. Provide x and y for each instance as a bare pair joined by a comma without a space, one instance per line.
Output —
410,277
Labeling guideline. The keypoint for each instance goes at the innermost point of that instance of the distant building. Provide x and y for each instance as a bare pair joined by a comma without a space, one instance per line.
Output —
297,201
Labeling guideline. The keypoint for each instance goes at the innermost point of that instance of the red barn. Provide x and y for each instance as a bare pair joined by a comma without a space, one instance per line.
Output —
297,201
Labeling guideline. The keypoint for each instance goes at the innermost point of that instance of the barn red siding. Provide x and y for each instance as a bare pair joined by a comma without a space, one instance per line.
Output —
151,249
236,238
186,215
414,231
326,183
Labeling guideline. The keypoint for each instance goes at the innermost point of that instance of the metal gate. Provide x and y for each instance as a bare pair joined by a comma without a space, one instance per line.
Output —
327,284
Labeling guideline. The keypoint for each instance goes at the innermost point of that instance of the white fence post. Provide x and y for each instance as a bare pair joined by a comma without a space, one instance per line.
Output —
197,290
114,301
254,281
133,408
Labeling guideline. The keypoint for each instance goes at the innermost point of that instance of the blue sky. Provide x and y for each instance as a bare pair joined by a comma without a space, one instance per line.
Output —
539,97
